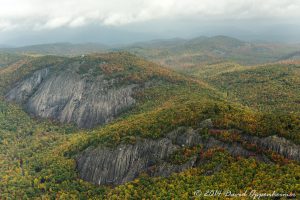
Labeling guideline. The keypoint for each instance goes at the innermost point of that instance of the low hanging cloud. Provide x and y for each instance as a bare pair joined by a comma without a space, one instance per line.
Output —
41,14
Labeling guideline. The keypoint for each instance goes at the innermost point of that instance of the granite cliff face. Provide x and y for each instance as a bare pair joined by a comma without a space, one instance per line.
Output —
119,165
70,96
277,144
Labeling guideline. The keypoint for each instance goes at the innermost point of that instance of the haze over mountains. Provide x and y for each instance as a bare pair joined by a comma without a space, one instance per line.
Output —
177,52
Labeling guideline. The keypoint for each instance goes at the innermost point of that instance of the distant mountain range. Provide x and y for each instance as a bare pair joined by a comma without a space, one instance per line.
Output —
178,52
58,49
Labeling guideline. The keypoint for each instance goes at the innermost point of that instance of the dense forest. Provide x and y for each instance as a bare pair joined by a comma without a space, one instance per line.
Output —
38,155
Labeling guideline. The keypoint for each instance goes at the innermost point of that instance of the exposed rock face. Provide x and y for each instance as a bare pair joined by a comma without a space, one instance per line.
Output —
67,96
277,144
105,165
24,90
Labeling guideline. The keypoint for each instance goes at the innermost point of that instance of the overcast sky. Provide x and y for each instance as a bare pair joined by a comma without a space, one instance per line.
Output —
122,21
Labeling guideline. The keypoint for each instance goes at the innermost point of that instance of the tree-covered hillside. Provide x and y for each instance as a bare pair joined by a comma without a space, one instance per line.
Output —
66,49
9,58
181,54
270,87
38,156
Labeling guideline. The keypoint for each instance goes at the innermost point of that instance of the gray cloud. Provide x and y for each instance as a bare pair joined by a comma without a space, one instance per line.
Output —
39,14
24,22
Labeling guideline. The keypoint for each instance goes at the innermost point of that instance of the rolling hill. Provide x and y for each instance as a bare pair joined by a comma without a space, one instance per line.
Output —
9,58
177,53
271,87
66,49
180,54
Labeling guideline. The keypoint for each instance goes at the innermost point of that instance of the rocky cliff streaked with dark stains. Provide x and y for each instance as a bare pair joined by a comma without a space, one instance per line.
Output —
119,165
70,97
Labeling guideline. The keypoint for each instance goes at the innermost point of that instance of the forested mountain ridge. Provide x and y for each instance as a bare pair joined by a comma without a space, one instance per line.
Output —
66,49
9,58
272,87
85,90
181,54
177,52
179,135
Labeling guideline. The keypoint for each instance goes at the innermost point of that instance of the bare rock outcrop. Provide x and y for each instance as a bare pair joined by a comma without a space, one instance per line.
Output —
104,165
277,144
70,97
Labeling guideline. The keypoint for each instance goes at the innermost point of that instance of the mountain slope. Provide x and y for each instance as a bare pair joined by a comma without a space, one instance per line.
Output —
179,129
9,58
86,90
271,87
